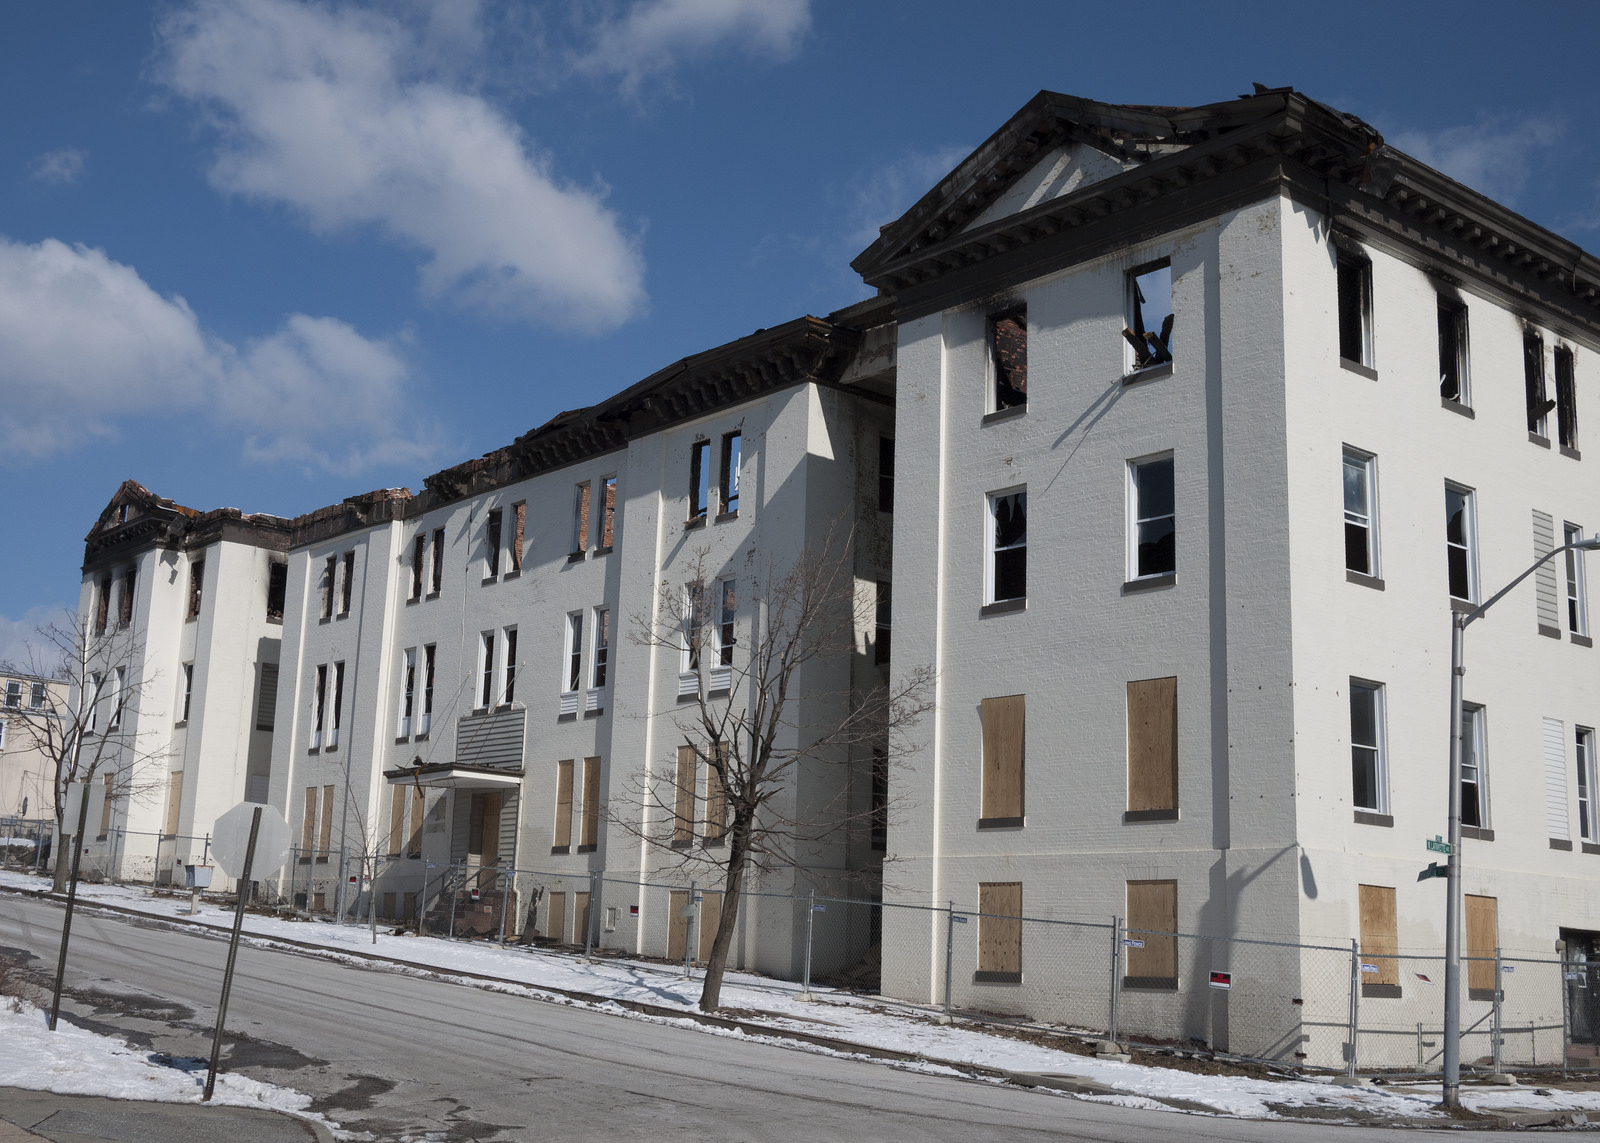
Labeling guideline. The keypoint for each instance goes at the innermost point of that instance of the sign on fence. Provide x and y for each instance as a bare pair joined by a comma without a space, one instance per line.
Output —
1132,943
1369,968
1222,980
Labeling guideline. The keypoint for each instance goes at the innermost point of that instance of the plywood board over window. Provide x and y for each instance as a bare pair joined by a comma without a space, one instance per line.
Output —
1152,750
1004,759
677,923
1380,942
1152,918
555,916
397,821
710,922
1483,937
999,933
561,840
174,800
325,828
580,918
589,836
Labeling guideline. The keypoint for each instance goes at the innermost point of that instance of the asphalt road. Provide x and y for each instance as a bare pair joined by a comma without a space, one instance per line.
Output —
405,1058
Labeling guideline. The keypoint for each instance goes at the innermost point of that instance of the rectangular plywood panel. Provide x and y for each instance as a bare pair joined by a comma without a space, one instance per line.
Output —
683,806
1000,931
1153,912
175,799
1482,936
677,923
397,819
555,916
562,838
590,835
325,833
1153,744
1004,755
1379,935
710,922
580,918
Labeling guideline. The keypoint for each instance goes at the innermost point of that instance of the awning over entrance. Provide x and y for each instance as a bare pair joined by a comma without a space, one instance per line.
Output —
457,776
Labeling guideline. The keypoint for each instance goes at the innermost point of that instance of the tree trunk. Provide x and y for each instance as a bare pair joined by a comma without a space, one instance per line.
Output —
63,866
738,854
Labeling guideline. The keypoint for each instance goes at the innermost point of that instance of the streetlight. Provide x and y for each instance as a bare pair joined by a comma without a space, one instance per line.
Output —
1452,909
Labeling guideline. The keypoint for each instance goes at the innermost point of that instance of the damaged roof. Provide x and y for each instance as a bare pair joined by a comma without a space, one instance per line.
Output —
136,519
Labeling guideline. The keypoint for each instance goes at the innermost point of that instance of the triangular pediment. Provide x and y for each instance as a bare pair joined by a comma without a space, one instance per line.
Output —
1061,171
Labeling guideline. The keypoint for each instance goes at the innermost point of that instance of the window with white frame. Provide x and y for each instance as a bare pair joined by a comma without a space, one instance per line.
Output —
1474,771
1360,524
602,647
1588,828
36,697
1454,375
188,689
485,670
319,704
427,690
332,737
509,691
1577,592
1152,518
1007,563
408,692
1461,542
574,652
1369,779
14,694
727,610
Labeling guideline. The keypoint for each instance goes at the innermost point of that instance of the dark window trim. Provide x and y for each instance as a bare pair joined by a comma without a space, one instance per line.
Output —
1581,640
588,848
1368,817
1477,832
1148,373
573,717
574,557
1561,843
1549,632
682,842
1380,991
1358,369
1591,847
1131,817
1372,581
1001,823
723,518
1535,438
560,849
1483,994
982,977
693,523
1150,983
605,551
1150,583
1002,606
1572,453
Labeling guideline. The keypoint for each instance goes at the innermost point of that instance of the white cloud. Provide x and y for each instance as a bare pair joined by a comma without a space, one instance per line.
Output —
60,167
86,346
882,194
656,35
20,644
334,113
1495,157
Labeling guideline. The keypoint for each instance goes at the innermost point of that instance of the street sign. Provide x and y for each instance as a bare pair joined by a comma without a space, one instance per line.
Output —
233,836
97,801
1222,980
1132,943
1434,870
958,920
1437,845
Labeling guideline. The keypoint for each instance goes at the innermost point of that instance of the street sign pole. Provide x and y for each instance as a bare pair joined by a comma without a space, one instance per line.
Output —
233,952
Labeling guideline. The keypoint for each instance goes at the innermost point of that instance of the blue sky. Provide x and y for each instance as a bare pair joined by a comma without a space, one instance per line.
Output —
269,253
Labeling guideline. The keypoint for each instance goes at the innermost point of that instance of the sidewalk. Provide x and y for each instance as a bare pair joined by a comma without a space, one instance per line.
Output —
30,1115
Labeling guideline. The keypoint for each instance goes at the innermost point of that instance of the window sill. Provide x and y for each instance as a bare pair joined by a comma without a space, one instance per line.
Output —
682,842
1358,369
604,550
587,848
1465,411
1380,991
554,849
1149,373
1001,823
1150,984
1541,441
567,716
330,749
715,842
434,594
1367,817
1132,817
342,615
514,573
1150,583
1561,843
1356,577
488,579
1003,606
982,977
1477,833
413,599
693,523
325,619
1571,453
1003,415
1549,632
1581,640
401,739
576,557
1483,994
315,750
1462,605
595,713
181,723
420,738
275,619
1591,847
692,696
727,516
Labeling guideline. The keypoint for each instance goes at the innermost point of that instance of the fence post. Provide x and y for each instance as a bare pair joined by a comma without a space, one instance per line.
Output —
811,916
1355,1001
1499,990
455,896
949,957
1561,951
1116,964
594,914
505,895
688,931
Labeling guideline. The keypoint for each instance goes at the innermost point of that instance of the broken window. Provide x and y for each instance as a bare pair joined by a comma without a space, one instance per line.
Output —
1459,542
330,569
347,583
1566,400
880,799
427,690
602,645
486,665
1154,522
519,527
608,512
1369,781
580,519
1008,359
731,445
1474,787
102,604
1360,536
1004,737
1008,546
1149,329
1539,406
130,580
727,606
319,700
574,651
419,552
699,479
338,705
438,559
1453,351
881,640
491,542
188,689
1153,747
1355,308
1577,592
885,474
277,589
511,666
197,581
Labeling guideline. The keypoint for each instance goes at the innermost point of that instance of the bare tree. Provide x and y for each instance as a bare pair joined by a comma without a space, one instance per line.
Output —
91,733
807,622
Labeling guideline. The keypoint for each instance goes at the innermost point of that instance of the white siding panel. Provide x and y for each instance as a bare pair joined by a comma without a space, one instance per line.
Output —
1544,539
1555,779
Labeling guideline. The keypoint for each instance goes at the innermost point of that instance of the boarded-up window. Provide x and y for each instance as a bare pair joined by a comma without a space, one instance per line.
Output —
419,804
1483,937
397,820
580,918
1379,942
717,800
1152,918
419,553
106,806
561,840
325,829
308,824
267,701
999,933
1004,737
174,800
677,923
330,568
683,806
483,828
1152,749
710,922
589,835
555,917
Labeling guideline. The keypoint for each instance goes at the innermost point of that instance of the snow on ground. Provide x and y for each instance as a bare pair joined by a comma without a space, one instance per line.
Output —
72,1061
866,1021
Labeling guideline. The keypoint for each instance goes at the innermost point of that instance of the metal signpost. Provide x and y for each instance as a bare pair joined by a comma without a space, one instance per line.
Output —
268,836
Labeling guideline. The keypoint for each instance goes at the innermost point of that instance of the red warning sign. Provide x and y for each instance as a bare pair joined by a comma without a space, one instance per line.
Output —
1223,980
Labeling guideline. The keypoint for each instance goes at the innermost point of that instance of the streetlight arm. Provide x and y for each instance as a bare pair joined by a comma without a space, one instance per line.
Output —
1584,545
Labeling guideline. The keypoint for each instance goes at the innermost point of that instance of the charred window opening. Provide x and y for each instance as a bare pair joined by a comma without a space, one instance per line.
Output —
881,637
1539,405
102,604
510,694
1566,399
277,589
732,443
427,689
1149,329
1008,359
338,704
1008,575
885,474
419,554
130,580
580,518
491,541
330,568
197,583
519,529
699,479
1453,375
608,512
438,559
347,583
1355,308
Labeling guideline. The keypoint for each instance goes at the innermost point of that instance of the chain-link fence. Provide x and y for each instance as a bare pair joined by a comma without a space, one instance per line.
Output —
25,842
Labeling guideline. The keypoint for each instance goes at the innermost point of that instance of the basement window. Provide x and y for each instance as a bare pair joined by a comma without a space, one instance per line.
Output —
1355,309
1149,329
1008,359
1453,376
